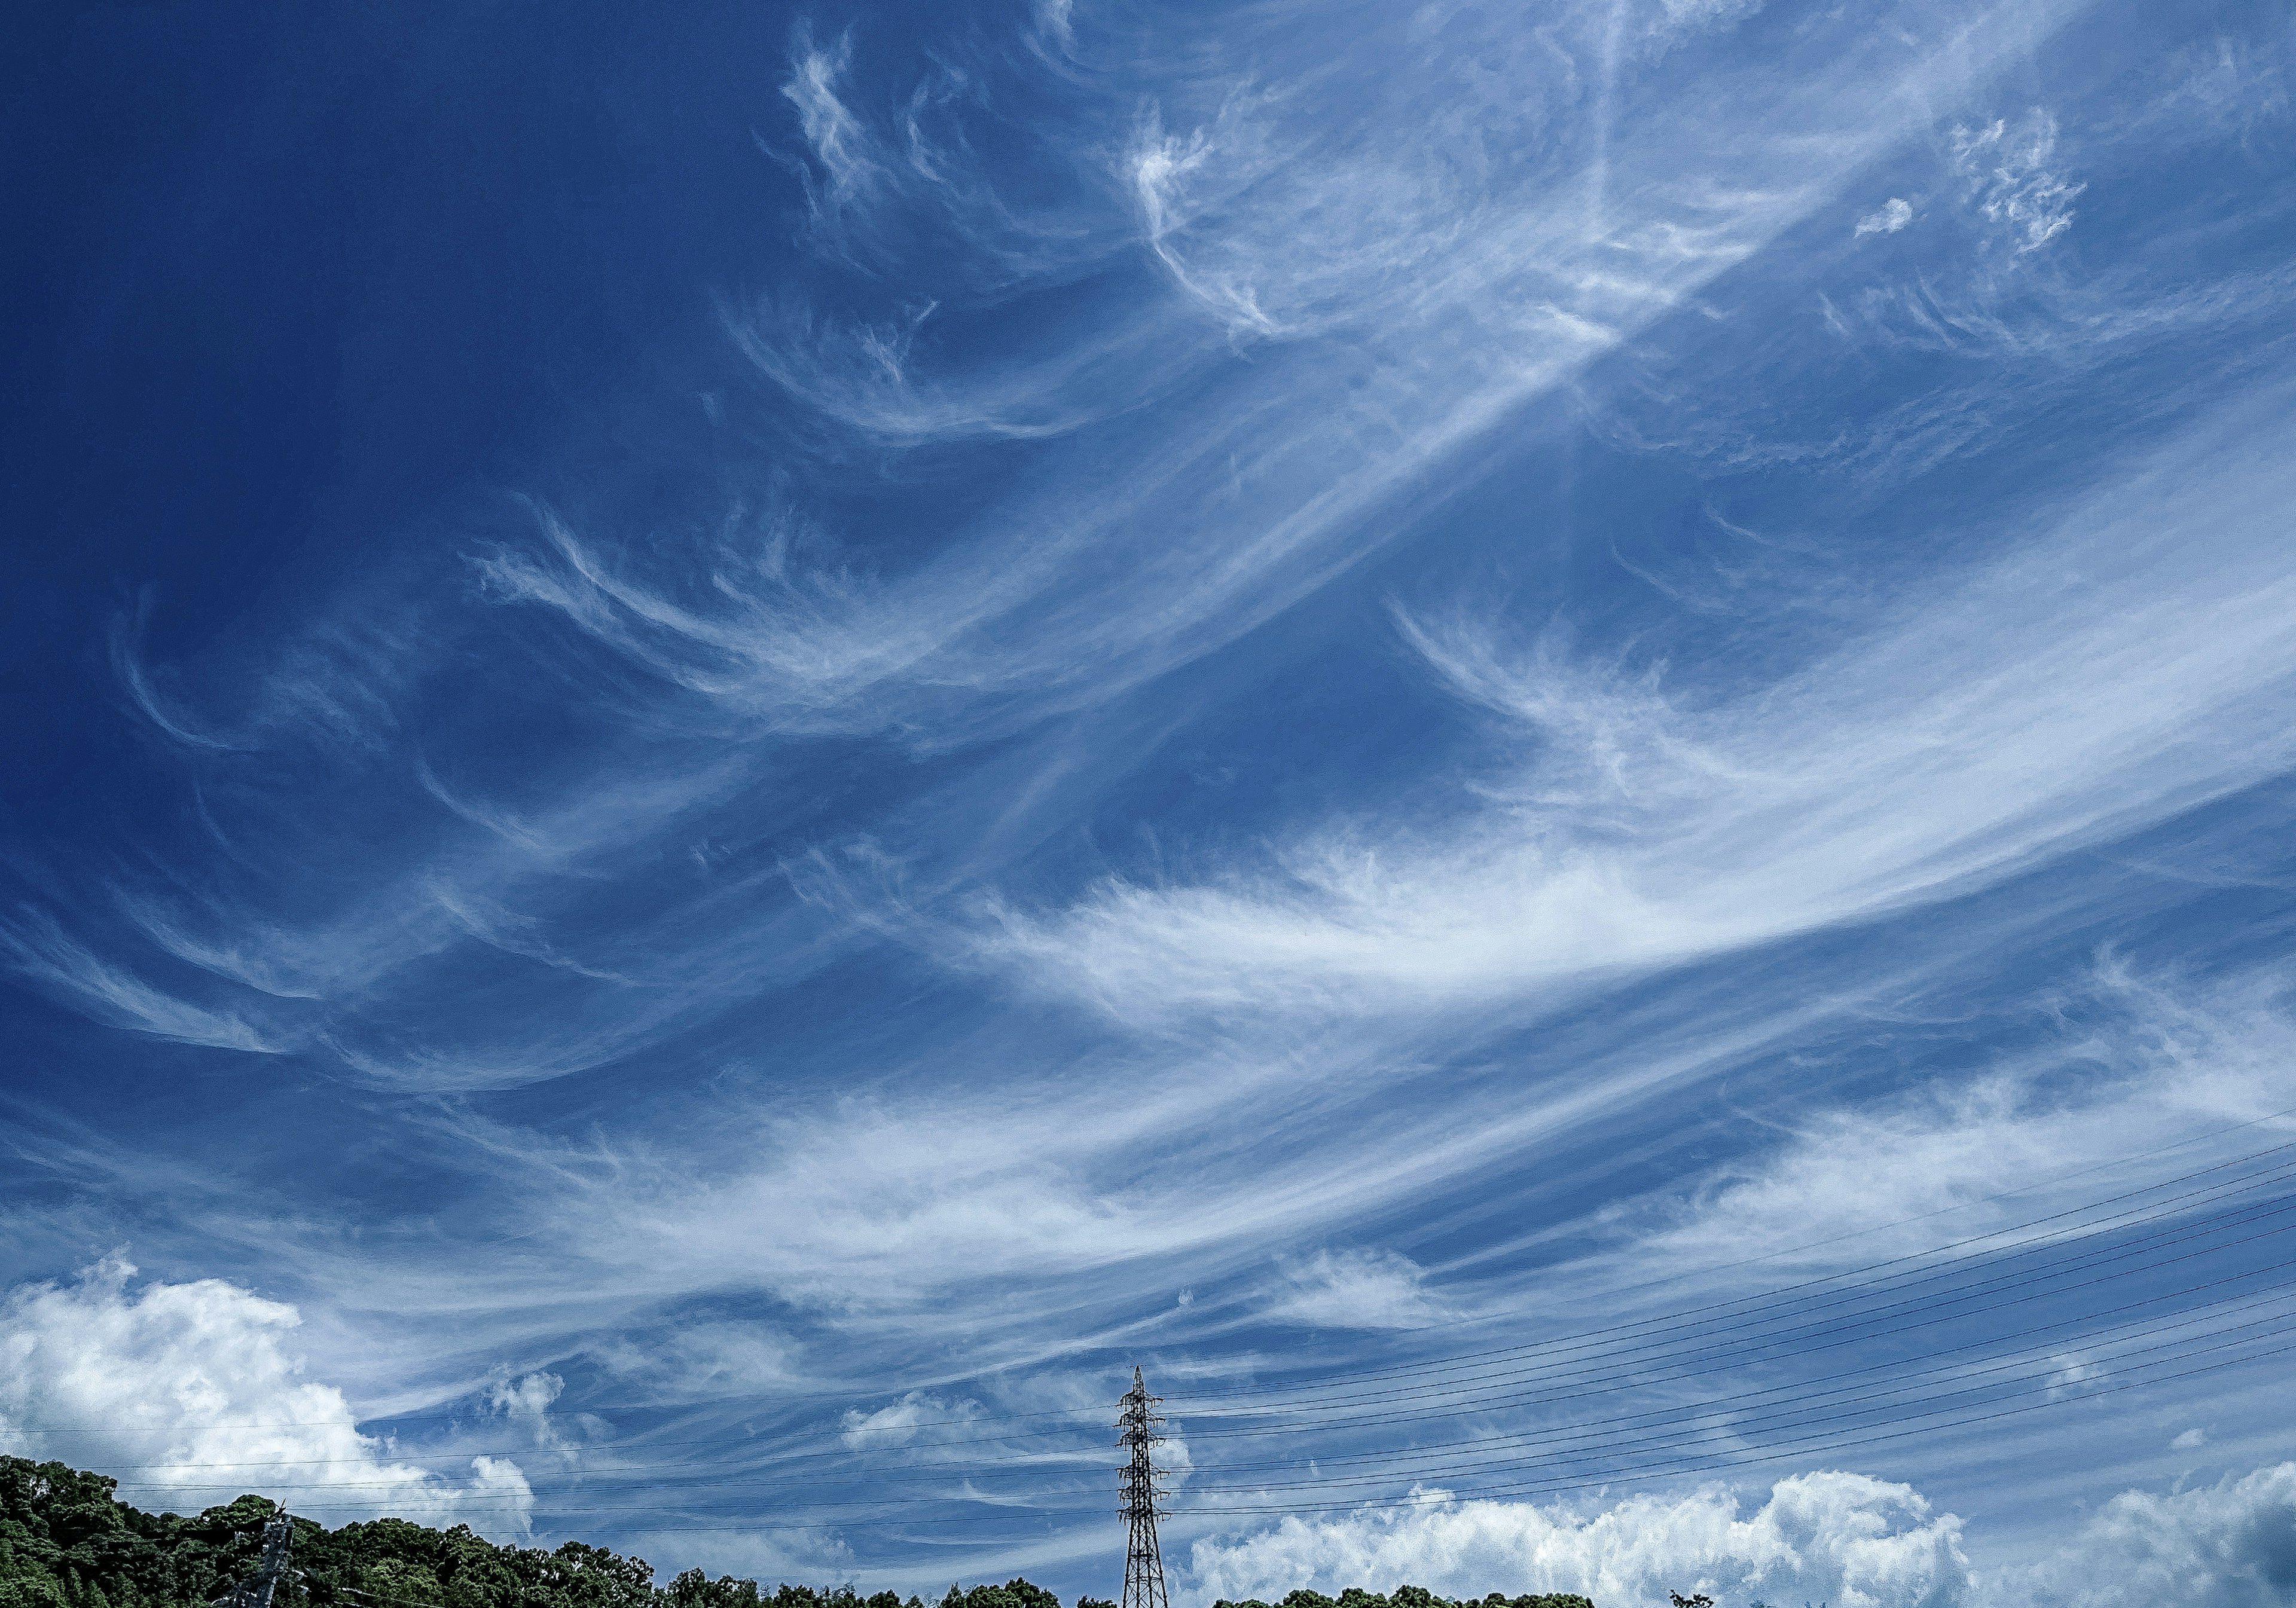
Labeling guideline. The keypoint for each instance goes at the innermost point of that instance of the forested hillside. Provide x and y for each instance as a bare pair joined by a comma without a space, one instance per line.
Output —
65,1542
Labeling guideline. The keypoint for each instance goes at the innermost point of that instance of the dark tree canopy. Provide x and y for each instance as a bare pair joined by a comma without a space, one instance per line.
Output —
65,1542
1411,1597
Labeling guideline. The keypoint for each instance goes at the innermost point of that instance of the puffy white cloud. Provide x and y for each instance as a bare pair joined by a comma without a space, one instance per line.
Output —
526,1402
1839,1538
190,1394
1833,1537
2231,1545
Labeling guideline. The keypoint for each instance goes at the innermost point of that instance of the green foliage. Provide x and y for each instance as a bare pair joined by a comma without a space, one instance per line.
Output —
1012,1594
66,1542
1411,1596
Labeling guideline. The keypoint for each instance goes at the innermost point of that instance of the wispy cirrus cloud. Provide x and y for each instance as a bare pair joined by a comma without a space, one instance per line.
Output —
40,952
1945,748
2013,181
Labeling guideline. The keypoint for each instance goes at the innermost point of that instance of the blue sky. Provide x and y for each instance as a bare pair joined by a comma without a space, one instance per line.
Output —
743,744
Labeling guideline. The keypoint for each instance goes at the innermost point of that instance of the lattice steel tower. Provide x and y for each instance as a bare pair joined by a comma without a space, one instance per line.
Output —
255,1591
1144,1564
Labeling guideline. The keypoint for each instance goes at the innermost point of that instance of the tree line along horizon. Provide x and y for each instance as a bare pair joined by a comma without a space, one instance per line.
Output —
66,1541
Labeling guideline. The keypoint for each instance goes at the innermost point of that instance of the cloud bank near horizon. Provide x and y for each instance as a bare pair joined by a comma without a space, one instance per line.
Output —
1841,1538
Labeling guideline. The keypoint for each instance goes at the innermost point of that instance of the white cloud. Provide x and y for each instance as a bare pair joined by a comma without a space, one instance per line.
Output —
839,141
1049,598
869,378
884,1214
1707,14
2127,665
1840,1538
38,950
1358,1290
2191,1440
2011,179
2071,1370
898,1210
2231,1545
190,1394
1891,216
897,1425
2174,1062
1475,286
526,1401
701,1358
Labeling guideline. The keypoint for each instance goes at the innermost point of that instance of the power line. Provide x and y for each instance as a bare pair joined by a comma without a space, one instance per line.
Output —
1563,1445
1624,1357
1676,1317
2136,1329
1578,1432
1864,1438
2255,1298
2027,1291
1396,1370
2125,1244
1580,1429
2030,1287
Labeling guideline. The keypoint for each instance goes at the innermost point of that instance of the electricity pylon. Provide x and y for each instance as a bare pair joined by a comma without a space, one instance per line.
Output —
1144,1564
255,1591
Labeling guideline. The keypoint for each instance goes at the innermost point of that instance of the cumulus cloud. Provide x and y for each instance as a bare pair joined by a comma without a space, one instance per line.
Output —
526,1402
1841,1538
190,1393
1824,1536
2231,1545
